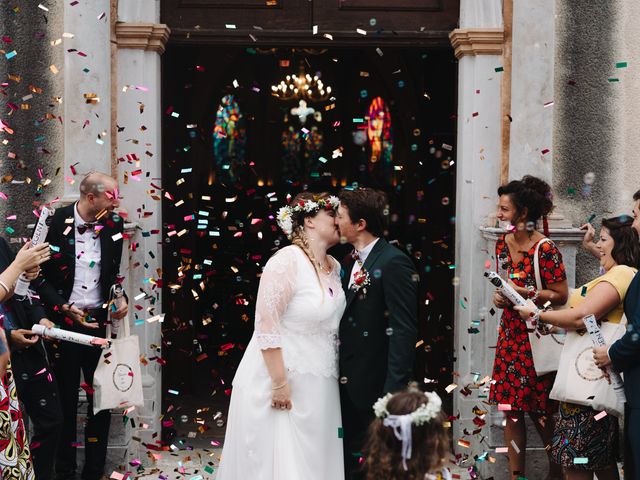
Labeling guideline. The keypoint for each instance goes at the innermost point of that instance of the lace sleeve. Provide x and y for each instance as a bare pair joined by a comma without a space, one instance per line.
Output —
274,292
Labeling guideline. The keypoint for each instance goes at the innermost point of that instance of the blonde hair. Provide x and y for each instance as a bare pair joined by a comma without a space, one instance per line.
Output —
298,235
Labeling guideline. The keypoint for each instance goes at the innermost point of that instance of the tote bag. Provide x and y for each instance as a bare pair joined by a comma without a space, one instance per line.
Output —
579,380
545,348
117,382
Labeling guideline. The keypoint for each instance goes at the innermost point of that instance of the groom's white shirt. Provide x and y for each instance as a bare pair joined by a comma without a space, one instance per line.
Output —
364,253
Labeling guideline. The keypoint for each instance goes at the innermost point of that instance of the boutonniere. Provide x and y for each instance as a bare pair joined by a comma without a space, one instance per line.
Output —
361,281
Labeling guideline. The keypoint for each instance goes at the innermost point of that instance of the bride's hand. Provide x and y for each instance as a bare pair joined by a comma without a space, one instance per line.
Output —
281,398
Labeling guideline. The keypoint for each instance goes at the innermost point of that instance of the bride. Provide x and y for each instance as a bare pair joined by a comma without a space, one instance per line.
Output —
284,418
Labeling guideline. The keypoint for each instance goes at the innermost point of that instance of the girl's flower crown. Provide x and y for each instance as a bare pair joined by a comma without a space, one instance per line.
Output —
401,424
285,214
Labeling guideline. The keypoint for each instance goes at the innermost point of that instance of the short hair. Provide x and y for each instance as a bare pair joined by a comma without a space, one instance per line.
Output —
369,205
531,193
626,249
636,196
93,182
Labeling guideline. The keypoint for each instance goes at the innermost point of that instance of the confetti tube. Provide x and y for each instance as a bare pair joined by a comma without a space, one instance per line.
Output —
67,336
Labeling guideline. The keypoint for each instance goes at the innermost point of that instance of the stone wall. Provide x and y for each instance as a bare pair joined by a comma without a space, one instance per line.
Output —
33,155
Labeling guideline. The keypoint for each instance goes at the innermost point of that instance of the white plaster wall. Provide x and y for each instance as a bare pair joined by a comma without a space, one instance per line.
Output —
532,85
91,36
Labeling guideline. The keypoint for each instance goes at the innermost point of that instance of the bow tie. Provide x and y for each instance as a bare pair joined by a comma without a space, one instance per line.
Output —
355,255
85,226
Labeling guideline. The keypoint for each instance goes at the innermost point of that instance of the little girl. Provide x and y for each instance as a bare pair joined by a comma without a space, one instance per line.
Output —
408,439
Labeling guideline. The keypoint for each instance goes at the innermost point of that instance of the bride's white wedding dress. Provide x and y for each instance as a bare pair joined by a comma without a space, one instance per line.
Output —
300,314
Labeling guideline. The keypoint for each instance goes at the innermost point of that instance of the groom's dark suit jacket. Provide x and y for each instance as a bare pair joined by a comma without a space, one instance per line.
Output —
56,284
379,329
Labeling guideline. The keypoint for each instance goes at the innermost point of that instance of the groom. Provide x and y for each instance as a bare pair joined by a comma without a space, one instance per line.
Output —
379,328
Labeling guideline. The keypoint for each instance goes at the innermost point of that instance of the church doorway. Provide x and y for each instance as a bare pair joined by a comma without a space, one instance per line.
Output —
238,139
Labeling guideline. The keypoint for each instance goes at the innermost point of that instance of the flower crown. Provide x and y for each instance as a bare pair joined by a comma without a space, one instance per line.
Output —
285,214
421,415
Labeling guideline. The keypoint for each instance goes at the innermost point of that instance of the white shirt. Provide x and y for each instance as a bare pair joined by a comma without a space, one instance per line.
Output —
364,253
86,292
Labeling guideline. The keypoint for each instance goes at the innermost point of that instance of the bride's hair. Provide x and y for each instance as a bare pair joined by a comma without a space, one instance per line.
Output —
298,235
430,447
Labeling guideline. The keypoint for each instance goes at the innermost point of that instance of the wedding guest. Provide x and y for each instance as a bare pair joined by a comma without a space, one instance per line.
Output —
36,383
522,204
624,356
408,438
75,289
578,434
15,457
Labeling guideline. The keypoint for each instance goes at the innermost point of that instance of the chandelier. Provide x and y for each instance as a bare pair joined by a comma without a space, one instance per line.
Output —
302,86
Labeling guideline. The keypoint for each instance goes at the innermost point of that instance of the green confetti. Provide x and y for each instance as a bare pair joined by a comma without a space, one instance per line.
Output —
208,469
92,263
571,191
340,432
580,460
613,79
621,65
9,230
583,292
499,69
591,218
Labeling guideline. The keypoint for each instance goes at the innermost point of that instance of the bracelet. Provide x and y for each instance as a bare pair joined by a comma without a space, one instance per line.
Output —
4,285
280,386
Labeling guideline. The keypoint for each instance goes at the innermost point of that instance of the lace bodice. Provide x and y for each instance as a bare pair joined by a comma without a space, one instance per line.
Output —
298,313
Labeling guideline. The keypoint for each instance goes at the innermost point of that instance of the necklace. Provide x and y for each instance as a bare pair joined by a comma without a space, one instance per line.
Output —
324,269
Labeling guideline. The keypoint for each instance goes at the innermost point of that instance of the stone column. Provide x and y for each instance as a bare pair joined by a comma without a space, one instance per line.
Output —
87,91
478,46
140,41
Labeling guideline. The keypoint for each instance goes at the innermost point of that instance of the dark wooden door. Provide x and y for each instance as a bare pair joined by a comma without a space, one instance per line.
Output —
311,22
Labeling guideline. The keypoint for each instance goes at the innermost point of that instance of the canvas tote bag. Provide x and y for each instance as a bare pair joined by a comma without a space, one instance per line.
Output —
545,349
117,382
579,380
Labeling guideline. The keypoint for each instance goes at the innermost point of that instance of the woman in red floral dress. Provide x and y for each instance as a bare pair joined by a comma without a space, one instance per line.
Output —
522,204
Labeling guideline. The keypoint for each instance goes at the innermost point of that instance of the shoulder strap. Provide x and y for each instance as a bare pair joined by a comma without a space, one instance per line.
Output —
536,264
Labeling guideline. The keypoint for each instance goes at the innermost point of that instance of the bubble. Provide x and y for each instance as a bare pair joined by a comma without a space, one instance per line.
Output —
445,200
377,273
372,22
362,167
415,278
184,419
343,380
394,217
385,212
452,220
445,164
414,147
365,334
438,154
427,268
276,243
432,150
416,132
220,422
589,178
417,255
24,376
400,83
364,94
116,217
43,402
389,331
455,281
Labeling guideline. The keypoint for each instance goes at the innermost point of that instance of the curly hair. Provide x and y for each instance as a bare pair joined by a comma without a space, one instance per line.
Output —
430,443
298,237
626,249
531,194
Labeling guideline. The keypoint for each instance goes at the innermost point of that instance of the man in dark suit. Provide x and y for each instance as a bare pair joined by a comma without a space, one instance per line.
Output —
87,237
624,356
378,330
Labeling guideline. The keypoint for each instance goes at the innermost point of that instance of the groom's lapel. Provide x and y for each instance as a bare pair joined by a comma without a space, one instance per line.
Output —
368,264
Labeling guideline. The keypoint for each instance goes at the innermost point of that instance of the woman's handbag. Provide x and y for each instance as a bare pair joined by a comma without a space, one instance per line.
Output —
545,348
117,381
578,380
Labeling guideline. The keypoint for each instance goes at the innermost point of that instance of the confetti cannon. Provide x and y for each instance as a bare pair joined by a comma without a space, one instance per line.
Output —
67,336
39,236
